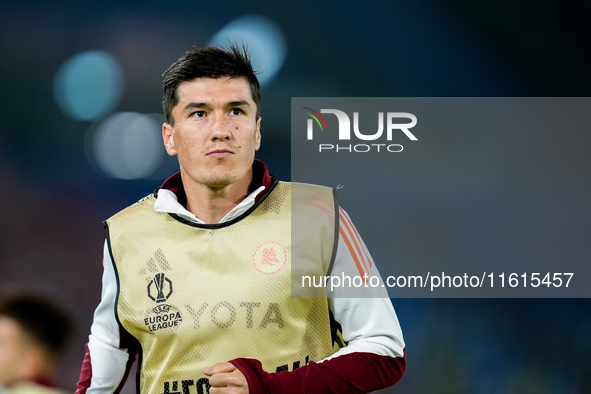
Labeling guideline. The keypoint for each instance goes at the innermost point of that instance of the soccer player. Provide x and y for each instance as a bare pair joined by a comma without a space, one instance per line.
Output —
33,333
197,276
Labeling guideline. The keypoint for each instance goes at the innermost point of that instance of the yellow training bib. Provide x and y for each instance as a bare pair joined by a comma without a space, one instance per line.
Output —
195,295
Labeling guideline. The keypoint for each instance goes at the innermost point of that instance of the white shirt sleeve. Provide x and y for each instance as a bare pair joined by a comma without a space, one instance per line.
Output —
108,361
369,324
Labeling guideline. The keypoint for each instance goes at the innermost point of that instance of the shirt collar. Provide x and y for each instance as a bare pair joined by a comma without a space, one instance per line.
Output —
171,195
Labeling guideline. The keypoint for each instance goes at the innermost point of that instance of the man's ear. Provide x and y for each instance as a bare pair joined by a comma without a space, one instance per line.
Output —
258,135
168,137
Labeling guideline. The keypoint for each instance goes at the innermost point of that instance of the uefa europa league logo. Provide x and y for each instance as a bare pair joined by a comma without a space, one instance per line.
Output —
160,281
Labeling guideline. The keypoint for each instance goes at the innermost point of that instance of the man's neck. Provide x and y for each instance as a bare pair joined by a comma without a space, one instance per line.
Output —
211,204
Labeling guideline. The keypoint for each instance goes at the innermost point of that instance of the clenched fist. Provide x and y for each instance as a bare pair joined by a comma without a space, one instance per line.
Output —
225,378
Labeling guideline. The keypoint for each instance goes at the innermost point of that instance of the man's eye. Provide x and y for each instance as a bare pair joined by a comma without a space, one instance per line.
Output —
236,111
198,114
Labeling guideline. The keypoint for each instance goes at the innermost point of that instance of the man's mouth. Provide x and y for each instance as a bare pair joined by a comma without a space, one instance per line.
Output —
220,153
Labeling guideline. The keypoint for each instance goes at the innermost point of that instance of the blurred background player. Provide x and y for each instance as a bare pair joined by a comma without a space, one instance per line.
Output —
33,334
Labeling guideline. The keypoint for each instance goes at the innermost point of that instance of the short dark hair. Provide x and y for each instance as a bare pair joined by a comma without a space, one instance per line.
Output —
42,320
208,62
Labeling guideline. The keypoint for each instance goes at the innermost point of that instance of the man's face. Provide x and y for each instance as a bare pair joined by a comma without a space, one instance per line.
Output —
13,351
216,130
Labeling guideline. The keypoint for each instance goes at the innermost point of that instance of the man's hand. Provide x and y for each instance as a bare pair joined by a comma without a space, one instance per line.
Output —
225,378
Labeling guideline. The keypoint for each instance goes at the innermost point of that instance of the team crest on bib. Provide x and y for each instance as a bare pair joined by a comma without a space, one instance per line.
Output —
269,258
163,317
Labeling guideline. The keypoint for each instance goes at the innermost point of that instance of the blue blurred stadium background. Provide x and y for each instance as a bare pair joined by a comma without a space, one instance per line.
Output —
60,183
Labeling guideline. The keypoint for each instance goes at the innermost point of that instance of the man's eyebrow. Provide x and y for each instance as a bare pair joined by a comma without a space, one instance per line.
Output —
196,106
239,103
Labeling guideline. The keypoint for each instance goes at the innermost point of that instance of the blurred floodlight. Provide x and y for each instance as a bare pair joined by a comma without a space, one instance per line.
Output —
88,85
265,41
127,145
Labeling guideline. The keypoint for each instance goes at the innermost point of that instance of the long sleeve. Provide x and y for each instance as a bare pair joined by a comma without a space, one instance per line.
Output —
109,352
375,354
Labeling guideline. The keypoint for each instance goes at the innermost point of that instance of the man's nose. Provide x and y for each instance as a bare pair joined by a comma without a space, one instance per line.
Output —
220,129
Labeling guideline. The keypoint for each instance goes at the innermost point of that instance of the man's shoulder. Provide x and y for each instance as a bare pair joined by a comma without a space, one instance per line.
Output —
308,199
307,186
33,388
307,191
143,206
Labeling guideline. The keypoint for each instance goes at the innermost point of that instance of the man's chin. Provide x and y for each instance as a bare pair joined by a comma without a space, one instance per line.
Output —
221,177
222,180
